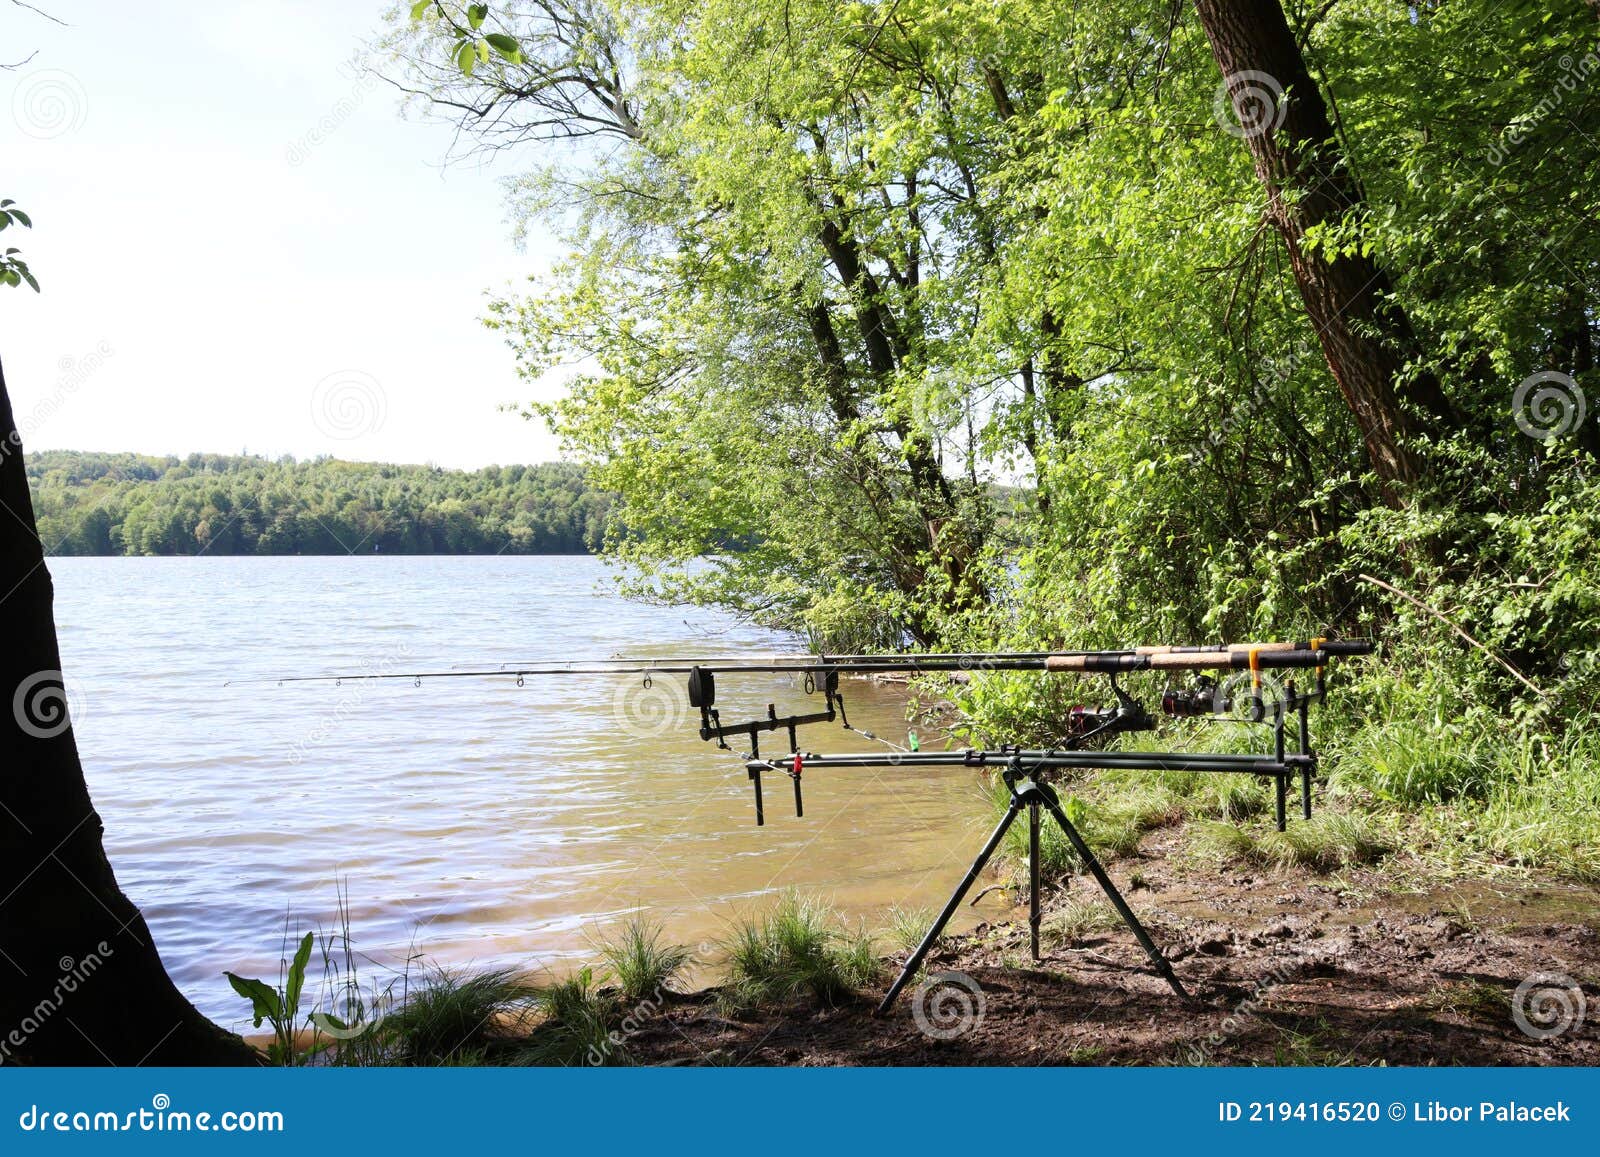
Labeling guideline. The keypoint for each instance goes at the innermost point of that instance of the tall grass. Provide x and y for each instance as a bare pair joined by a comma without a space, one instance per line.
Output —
578,1026
640,962
1326,843
1455,788
797,948
1115,809
453,1016
907,926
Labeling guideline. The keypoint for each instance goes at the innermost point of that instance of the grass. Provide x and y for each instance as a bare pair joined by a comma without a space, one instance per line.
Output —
1113,819
1317,1045
581,1026
426,1015
452,1016
1082,1055
640,962
1326,843
1481,794
1114,810
796,949
1474,999
1401,763
1074,919
907,926
1456,786
1544,809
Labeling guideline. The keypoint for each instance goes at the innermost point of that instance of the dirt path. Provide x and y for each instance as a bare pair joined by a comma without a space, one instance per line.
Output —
1286,967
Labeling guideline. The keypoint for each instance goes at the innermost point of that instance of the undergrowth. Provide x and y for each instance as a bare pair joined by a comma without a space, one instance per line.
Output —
1458,791
797,948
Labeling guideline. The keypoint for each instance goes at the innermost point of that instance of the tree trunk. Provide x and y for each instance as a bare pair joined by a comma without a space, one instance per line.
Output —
82,982
1366,338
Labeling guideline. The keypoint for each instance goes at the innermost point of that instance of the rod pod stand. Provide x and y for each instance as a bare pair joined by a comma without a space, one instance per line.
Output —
1028,792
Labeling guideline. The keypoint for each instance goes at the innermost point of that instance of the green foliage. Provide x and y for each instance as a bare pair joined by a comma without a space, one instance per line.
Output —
465,23
458,1017
641,963
796,949
13,269
1325,843
579,1027
98,504
279,1006
840,276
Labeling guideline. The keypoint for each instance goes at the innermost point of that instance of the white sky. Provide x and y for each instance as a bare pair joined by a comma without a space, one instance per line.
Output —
153,145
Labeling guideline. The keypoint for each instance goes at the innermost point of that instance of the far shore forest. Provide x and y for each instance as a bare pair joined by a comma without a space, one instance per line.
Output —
216,504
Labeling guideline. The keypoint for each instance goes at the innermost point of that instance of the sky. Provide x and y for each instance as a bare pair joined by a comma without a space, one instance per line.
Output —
244,246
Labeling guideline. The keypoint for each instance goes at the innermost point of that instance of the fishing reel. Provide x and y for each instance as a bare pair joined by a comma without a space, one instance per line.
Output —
1203,698
1085,724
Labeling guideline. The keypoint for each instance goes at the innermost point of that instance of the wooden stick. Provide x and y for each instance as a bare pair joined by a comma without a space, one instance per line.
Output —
1526,682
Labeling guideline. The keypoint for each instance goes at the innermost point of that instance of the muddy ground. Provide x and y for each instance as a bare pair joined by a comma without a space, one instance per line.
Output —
1285,967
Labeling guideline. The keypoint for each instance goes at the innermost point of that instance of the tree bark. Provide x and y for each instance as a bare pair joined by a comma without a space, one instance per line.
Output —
1366,338
80,980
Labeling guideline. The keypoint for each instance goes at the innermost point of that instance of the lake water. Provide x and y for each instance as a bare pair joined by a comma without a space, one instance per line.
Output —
473,820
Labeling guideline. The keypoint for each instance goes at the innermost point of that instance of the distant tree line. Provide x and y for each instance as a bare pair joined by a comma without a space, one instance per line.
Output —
131,504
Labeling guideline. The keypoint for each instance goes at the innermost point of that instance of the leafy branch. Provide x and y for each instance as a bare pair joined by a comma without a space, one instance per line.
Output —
473,45
13,269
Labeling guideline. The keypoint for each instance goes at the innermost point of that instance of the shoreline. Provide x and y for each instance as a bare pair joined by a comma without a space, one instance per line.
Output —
1285,966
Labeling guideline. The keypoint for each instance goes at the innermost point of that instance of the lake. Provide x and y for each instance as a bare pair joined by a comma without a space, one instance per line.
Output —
472,820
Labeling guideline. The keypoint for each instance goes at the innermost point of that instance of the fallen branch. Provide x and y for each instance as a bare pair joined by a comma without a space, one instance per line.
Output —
1525,681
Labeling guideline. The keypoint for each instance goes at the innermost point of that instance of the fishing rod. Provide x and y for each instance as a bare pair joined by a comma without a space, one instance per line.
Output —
1223,656
1025,772
822,673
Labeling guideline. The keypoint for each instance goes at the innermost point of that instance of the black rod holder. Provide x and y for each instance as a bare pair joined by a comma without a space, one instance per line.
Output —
1034,795
1046,760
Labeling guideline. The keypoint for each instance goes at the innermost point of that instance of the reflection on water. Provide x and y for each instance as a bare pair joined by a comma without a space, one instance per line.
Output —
484,822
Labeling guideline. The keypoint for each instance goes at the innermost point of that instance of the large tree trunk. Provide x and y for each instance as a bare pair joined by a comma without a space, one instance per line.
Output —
1366,338
80,979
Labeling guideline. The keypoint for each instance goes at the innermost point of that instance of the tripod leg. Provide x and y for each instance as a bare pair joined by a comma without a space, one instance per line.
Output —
950,907
1033,875
1116,899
